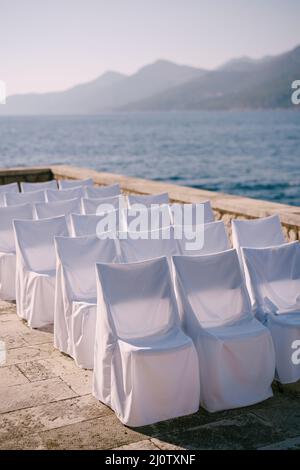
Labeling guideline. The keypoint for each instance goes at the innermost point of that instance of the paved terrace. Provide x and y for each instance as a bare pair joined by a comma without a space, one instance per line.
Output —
45,403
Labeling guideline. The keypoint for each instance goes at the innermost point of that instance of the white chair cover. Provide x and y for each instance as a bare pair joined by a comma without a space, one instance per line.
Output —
274,274
14,199
154,244
53,195
29,187
67,184
8,249
207,212
215,239
101,205
7,188
147,199
46,210
35,268
236,354
146,219
103,191
145,367
257,233
84,225
75,298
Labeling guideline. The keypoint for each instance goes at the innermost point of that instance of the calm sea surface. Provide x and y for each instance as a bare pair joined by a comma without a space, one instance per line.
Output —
255,154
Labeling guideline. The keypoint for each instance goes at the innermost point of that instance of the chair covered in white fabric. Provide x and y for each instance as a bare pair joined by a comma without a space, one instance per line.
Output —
102,205
142,246
8,249
53,195
236,353
7,188
148,218
274,274
103,191
46,210
14,199
76,294
67,184
208,215
257,233
147,199
145,367
213,236
35,268
29,187
93,224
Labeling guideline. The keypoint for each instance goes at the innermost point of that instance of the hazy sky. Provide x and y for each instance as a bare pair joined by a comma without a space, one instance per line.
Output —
53,44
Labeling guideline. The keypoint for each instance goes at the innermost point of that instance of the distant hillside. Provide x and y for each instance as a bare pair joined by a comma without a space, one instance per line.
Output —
240,84
110,91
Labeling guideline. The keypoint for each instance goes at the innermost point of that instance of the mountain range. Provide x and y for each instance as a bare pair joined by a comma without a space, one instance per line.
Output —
241,83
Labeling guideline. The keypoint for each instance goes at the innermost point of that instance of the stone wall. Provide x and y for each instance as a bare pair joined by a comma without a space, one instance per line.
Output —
225,206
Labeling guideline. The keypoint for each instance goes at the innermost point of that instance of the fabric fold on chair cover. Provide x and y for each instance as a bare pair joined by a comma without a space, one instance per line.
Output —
103,205
14,199
235,351
53,195
142,246
274,274
214,235
93,224
35,268
145,368
7,188
31,187
99,192
46,210
8,249
147,200
75,294
67,184
208,215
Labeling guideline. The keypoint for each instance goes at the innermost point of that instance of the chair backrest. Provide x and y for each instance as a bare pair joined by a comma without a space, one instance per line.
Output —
150,218
53,195
213,237
147,200
7,188
67,184
180,213
141,246
103,191
78,257
29,187
257,233
45,210
273,274
14,199
35,242
211,289
143,304
88,224
102,205
7,215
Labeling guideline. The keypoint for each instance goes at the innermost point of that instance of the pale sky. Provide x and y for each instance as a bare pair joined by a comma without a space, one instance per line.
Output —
50,45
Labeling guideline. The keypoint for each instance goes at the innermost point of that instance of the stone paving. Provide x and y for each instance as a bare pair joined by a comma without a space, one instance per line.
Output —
45,403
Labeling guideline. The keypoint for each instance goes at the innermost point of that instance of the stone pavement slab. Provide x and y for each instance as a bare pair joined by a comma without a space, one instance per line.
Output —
46,403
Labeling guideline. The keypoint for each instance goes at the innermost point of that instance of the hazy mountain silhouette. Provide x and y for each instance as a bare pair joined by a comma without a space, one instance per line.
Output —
242,83
110,91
